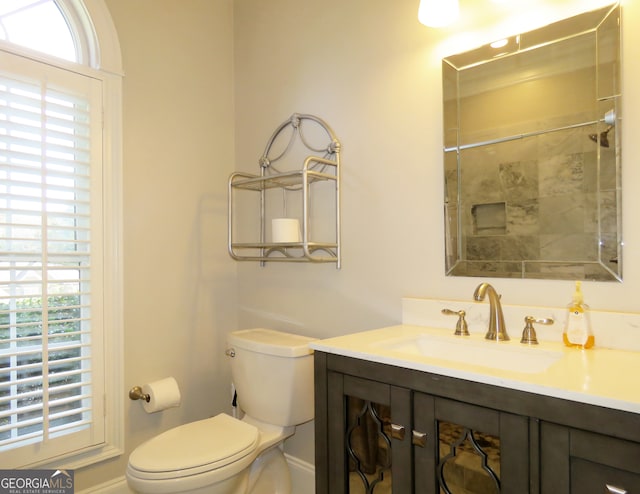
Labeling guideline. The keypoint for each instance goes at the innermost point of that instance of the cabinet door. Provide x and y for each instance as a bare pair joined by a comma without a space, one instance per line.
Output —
369,450
469,449
580,462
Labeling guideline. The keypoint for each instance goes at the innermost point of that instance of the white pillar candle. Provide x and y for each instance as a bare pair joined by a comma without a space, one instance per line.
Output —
285,230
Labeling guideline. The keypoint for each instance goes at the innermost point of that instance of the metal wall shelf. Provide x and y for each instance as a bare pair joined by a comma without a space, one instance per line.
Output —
315,169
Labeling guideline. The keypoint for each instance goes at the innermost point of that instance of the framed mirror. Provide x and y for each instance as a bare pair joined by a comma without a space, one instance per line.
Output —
532,153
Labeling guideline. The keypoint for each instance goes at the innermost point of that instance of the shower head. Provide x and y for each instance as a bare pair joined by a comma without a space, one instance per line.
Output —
604,140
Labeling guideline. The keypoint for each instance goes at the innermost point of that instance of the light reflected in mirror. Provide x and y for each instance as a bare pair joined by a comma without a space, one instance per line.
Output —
532,153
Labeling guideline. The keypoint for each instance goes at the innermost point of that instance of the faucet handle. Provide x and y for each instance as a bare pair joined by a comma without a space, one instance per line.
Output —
529,333
461,326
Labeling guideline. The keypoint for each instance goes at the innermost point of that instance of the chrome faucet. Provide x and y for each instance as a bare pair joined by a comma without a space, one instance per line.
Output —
497,330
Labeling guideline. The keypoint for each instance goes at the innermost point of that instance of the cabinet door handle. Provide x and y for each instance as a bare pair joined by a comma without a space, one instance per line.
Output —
419,438
612,489
397,432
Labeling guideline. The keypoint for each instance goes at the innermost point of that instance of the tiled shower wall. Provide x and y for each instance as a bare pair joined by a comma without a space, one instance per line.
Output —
541,198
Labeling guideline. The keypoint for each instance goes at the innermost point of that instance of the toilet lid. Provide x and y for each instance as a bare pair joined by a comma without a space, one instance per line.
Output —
213,442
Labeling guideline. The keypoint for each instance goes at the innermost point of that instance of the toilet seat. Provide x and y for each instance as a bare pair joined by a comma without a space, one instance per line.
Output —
194,448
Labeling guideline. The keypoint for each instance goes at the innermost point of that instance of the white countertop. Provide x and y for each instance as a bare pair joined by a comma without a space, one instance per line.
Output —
598,376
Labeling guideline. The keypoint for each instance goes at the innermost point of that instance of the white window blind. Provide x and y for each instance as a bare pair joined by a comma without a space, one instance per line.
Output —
51,379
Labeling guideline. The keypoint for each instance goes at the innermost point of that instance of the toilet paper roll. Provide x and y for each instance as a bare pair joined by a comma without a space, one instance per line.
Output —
163,394
285,230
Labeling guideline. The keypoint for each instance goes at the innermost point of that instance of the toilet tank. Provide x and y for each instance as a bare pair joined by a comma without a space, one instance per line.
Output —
273,375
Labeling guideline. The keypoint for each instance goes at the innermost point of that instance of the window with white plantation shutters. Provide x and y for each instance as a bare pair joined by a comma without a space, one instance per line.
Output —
51,375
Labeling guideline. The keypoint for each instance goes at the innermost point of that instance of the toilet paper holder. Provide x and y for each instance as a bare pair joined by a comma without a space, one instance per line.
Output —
136,393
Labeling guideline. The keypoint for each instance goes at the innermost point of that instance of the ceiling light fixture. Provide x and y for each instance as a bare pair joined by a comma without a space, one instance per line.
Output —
438,13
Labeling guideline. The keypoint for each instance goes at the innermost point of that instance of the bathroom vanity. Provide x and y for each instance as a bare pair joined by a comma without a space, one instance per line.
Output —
537,419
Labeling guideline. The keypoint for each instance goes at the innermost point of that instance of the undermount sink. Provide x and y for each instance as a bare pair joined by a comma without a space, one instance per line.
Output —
510,356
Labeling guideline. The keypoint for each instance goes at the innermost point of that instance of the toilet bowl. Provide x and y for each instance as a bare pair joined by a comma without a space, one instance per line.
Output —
208,456
225,455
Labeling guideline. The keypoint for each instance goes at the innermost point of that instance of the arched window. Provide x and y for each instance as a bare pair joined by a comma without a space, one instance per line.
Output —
59,232
48,29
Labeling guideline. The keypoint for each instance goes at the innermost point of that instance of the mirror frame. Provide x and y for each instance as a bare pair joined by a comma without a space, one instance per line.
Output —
465,223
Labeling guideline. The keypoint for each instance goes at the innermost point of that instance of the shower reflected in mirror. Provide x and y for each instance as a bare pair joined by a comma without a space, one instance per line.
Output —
603,138
532,153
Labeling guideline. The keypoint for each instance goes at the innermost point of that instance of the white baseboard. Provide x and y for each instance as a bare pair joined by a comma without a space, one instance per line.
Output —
113,486
303,475
303,480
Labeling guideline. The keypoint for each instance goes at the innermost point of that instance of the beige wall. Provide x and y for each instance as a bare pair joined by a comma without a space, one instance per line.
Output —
373,72
180,286
370,70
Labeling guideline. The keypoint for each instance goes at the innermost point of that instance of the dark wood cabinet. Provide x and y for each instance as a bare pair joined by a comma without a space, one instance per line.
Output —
367,398
472,448
582,462
383,429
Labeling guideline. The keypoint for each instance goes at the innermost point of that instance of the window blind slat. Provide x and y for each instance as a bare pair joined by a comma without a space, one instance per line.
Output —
25,409
31,257
37,380
18,162
33,197
76,246
23,425
59,376
22,438
20,353
57,403
30,187
79,424
33,340
24,215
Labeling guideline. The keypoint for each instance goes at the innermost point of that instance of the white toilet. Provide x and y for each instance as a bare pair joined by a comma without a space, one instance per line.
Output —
273,375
